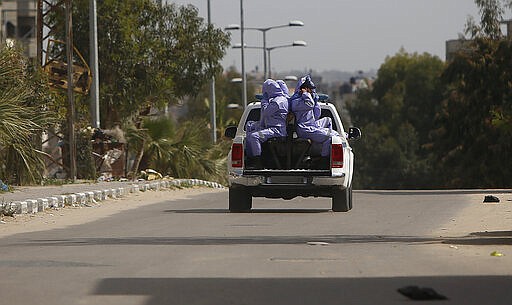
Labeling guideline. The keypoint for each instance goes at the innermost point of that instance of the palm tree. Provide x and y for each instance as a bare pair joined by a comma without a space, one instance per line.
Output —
22,118
179,152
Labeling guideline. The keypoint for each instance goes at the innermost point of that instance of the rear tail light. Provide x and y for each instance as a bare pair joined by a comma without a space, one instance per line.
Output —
337,156
237,155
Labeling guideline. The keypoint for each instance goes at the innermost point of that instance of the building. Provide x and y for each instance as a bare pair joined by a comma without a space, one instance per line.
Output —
464,45
18,20
455,46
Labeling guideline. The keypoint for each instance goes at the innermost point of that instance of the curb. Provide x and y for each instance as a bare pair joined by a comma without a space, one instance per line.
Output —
32,206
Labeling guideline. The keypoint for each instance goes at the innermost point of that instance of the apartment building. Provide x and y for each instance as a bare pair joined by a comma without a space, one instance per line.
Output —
18,20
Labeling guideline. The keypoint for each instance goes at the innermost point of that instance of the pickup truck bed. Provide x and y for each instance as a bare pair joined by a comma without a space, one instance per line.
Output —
290,152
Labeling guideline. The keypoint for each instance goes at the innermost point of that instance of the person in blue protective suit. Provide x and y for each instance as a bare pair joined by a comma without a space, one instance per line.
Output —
256,125
272,123
304,105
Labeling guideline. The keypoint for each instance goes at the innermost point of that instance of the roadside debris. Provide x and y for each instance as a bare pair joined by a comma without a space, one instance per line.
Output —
150,174
491,198
3,187
496,254
420,294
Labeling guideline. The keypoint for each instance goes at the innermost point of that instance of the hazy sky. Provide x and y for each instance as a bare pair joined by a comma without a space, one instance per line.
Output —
345,35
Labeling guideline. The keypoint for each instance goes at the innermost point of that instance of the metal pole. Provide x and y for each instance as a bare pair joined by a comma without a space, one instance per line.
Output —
213,110
95,88
212,94
71,102
40,32
244,77
269,67
265,56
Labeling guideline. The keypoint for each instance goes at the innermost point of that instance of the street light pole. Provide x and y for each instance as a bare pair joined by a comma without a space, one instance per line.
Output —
264,32
265,55
266,73
296,43
212,93
71,101
244,76
269,70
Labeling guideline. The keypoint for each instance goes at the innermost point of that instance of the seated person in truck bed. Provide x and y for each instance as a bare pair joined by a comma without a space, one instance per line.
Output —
256,125
272,124
304,105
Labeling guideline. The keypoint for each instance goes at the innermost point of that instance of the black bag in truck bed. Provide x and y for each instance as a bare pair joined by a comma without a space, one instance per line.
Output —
285,156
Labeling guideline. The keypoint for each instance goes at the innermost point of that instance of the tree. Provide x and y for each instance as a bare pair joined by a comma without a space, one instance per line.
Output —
491,13
148,54
474,137
25,101
151,56
180,152
396,118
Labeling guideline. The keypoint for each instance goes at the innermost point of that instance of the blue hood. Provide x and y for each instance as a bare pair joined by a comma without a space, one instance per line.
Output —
305,80
284,88
271,89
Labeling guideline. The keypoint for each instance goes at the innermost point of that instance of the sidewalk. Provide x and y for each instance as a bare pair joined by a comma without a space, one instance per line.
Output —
33,199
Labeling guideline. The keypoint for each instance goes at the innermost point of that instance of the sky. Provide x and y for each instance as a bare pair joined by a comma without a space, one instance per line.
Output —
345,35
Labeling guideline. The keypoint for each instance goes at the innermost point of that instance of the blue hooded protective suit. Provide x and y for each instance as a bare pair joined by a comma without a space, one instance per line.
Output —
257,125
274,109
304,106
284,87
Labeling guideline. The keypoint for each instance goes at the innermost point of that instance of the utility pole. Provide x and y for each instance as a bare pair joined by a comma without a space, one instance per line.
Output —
212,93
93,47
39,34
244,77
71,101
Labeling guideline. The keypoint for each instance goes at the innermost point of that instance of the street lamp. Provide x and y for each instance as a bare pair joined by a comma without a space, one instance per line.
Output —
296,43
233,106
264,31
290,78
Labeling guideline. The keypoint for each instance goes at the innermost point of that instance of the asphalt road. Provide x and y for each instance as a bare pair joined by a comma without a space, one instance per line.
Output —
193,251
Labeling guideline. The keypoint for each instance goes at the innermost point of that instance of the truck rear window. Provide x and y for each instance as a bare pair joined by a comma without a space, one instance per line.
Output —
254,115
328,113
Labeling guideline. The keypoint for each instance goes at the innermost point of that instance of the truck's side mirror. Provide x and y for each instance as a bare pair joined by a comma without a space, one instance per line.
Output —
230,132
354,133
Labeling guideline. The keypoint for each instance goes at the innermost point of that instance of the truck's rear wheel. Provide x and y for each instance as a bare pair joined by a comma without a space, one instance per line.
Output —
240,199
342,199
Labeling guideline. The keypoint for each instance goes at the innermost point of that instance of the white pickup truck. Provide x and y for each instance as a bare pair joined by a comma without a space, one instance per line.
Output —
289,168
